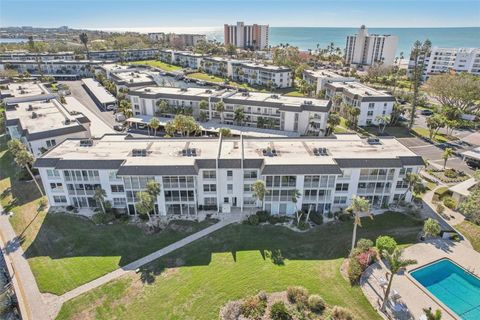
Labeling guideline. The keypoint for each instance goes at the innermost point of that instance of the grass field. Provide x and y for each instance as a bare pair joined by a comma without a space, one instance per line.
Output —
440,137
472,232
66,251
205,77
159,64
239,260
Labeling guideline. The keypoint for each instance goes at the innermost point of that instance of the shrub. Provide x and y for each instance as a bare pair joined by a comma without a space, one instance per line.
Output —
279,311
273,219
297,294
316,218
103,218
253,307
253,220
449,203
450,173
440,208
442,191
231,311
385,243
302,225
366,258
262,216
354,271
263,296
344,217
364,244
339,313
316,303
431,227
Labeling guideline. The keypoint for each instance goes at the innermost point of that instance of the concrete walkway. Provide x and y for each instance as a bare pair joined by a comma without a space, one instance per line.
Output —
31,304
131,267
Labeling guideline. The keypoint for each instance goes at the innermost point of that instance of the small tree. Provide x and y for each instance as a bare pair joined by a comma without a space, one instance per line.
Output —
447,153
432,316
359,205
25,159
145,204
395,263
225,132
434,124
154,124
99,196
259,190
431,227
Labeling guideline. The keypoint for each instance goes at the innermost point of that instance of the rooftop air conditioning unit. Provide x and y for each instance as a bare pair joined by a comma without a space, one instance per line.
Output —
30,107
34,115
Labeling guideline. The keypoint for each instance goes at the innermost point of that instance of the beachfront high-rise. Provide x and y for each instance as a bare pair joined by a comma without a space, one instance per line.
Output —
365,49
244,36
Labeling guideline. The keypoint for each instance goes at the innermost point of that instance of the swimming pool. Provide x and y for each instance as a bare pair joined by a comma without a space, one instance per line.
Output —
453,286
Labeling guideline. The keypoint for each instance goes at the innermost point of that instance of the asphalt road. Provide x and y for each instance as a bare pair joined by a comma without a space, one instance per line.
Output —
81,95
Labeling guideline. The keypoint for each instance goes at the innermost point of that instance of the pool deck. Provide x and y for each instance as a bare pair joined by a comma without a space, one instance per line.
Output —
411,294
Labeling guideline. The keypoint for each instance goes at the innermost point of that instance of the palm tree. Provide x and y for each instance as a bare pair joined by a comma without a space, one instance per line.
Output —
414,184
354,112
145,204
259,190
395,263
419,52
33,48
358,206
99,196
382,120
25,159
333,121
239,116
162,107
84,40
337,100
154,124
447,153
220,108
295,196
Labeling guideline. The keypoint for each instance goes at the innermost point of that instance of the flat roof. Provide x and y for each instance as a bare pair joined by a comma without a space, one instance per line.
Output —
357,88
25,89
343,151
133,77
463,188
268,67
41,116
99,91
325,73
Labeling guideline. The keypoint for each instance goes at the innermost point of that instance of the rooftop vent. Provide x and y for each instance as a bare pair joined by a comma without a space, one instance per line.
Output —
274,96
189,152
67,121
269,152
183,89
373,141
208,91
139,152
308,102
245,94
320,152
86,143
367,93
147,90
34,115
30,107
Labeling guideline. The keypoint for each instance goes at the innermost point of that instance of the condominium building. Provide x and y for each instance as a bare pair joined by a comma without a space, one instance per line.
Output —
128,77
441,60
220,66
124,55
264,75
188,40
363,49
39,120
320,77
260,109
186,59
25,55
371,102
205,175
254,37
59,69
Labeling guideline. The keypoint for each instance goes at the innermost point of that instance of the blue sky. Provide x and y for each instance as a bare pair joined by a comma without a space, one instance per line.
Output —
214,13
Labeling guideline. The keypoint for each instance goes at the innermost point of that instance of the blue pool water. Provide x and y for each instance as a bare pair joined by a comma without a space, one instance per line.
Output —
453,286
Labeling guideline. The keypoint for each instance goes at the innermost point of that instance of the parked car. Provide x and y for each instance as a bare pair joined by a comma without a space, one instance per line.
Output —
119,117
402,119
111,107
201,82
141,126
426,112
119,127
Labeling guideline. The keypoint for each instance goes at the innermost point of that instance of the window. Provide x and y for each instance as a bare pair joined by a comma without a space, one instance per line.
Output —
209,174
56,186
370,113
402,184
250,174
225,200
340,200
230,188
112,175
229,173
247,187
51,143
119,202
209,187
117,188
210,201
341,187
60,199
371,105
52,173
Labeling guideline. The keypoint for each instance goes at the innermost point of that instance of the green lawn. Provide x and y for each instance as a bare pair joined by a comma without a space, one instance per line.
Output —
472,232
236,261
440,137
295,93
205,77
66,251
159,64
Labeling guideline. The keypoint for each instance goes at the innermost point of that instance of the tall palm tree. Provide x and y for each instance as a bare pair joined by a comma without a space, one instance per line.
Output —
99,196
162,107
333,121
33,48
295,196
447,153
419,52
25,159
154,124
84,40
358,206
220,108
395,263
259,190
239,116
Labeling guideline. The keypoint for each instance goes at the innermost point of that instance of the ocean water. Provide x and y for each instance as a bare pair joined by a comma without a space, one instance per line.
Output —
308,38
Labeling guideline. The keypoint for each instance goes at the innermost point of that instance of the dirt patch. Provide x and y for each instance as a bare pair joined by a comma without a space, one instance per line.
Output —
344,269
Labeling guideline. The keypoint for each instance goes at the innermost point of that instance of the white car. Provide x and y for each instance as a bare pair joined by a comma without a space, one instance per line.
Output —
111,107
119,117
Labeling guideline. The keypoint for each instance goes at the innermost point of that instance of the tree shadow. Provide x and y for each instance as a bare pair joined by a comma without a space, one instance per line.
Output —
14,244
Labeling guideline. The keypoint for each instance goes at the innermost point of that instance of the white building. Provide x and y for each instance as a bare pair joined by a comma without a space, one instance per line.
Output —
59,69
264,75
321,77
128,76
202,175
371,102
220,66
260,109
441,60
39,120
99,94
363,49
254,37
25,55
124,55
188,59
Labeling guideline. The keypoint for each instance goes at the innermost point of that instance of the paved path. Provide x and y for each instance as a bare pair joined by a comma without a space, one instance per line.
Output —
32,306
131,267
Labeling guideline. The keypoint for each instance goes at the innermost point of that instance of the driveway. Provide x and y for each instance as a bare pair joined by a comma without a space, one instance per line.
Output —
433,154
81,95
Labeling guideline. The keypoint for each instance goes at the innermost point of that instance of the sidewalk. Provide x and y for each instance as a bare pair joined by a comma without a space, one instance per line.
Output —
32,306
